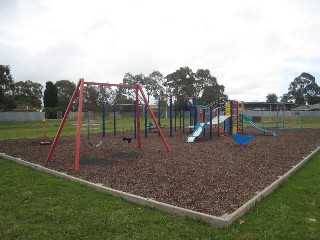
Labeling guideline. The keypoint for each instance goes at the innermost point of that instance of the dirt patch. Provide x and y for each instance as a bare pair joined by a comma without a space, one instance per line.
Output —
210,176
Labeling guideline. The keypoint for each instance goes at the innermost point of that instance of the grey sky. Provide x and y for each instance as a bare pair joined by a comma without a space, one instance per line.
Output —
252,47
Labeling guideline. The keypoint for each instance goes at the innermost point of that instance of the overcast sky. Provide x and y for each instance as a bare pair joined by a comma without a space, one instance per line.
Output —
252,47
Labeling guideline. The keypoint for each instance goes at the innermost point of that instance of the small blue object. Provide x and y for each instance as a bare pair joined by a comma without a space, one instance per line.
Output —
240,139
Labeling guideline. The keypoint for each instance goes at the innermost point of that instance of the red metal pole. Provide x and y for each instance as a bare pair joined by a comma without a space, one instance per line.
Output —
63,122
138,116
79,124
111,85
154,120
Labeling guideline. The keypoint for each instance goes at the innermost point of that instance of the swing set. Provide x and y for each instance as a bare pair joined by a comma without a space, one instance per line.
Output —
79,90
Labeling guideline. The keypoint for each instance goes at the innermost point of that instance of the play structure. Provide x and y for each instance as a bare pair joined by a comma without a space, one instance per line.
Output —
225,118
221,116
176,107
79,91
240,139
261,129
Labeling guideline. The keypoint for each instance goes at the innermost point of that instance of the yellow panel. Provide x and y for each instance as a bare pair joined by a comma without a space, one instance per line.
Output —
228,110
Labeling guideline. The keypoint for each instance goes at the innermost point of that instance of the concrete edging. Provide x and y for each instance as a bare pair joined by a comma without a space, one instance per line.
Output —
269,189
220,222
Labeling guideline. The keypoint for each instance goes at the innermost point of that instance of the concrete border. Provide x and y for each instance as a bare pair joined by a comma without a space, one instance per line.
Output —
222,221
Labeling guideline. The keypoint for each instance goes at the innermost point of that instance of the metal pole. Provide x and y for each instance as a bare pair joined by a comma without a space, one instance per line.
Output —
180,113
159,113
204,120
154,120
63,121
210,115
79,123
183,114
170,115
138,116
104,119
114,119
134,120
145,120
218,126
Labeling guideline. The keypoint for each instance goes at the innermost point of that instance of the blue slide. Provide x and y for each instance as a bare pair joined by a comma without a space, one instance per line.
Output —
264,131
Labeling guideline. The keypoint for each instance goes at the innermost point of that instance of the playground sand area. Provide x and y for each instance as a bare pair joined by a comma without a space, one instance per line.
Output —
209,176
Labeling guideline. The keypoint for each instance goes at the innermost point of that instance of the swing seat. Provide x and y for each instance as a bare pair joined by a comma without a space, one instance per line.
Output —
45,143
95,145
127,139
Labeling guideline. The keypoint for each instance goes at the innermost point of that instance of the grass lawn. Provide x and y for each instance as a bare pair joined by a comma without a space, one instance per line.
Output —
13,129
123,124
35,205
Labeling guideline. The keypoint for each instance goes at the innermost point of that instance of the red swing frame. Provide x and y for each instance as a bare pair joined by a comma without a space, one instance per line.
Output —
80,90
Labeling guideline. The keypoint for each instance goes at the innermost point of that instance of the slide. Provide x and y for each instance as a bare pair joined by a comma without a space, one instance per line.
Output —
264,131
222,118
197,131
200,126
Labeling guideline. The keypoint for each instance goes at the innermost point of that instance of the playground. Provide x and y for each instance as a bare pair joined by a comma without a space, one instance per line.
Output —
210,176
214,163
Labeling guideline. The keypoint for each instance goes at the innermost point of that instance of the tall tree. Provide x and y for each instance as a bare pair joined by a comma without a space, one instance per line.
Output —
304,89
6,88
207,87
201,84
130,79
65,89
50,98
181,82
28,93
271,98
91,98
153,83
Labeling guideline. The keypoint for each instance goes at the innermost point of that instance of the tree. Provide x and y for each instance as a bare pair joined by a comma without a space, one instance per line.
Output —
271,98
6,88
50,98
65,89
207,87
181,82
28,93
153,84
201,84
304,90
130,79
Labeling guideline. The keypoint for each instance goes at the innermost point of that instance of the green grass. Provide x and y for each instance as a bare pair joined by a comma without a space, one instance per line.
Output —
26,129
305,122
310,122
35,205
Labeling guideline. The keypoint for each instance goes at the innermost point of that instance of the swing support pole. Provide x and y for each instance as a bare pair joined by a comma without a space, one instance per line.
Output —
138,116
154,119
63,121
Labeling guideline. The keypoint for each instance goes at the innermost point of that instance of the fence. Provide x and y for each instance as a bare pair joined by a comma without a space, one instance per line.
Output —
21,116
251,113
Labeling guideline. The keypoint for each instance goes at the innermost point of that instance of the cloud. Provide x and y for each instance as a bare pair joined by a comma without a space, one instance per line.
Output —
253,48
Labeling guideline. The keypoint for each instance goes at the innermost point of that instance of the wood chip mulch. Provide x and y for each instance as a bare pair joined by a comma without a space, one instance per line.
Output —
210,176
